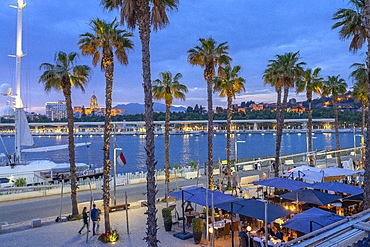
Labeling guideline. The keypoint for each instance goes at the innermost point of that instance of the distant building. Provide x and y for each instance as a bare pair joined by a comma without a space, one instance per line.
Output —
56,110
94,109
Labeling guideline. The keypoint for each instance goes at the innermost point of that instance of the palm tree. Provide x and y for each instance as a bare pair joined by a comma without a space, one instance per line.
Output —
62,76
354,23
361,93
312,84
145,13
103,44
351,23
229,83
282,73
209,55
168,88
335,86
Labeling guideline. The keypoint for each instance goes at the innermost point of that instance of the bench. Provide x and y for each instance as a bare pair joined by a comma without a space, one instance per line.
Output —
35,223
118,207
289,162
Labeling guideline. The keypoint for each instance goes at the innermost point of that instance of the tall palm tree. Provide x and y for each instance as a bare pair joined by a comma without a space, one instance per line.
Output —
168,88
62,76
361,93
144,14
229,83
209,55
312,83
351,24
282,73
103,44
335,86
355,23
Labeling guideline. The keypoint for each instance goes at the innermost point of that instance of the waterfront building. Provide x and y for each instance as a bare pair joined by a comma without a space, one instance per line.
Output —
56,110
94,109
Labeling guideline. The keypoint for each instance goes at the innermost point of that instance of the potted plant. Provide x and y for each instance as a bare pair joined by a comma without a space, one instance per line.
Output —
197,224
167,219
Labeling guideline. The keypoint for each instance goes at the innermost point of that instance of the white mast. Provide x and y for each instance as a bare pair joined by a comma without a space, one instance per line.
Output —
18,102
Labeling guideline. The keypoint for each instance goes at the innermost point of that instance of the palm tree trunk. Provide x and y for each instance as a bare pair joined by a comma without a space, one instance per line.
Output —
367,150
336,126
309,126
108,66
278,139
166,150
143,16
71,144
280,127
208,75
363,112
228,133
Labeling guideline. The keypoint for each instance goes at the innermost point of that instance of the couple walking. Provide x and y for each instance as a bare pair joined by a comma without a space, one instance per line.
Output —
95,217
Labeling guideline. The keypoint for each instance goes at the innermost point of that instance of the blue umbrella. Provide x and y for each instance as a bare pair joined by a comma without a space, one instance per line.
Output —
338,187
198,195
311,196
282,183
311,220
254,209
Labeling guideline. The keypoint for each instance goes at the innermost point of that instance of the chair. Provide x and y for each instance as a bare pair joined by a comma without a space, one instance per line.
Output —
226,230
257,243
236,226
242,242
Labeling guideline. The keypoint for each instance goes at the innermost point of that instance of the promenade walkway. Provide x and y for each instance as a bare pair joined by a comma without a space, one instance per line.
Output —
66,233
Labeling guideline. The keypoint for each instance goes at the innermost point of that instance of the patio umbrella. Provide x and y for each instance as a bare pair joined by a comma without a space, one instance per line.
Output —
254,209
338,187
198,195
311,220
282,183
311,196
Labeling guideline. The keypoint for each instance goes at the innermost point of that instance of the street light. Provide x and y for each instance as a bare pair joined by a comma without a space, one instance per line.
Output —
115,172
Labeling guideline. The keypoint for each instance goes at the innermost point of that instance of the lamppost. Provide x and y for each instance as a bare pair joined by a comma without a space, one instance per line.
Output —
114,173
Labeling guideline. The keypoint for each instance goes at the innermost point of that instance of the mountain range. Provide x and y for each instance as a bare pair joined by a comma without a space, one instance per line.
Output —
136,108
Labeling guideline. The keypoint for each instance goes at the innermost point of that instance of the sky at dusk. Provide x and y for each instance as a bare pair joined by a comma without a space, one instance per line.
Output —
256,30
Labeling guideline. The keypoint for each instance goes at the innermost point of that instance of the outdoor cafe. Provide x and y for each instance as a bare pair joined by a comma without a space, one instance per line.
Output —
289,209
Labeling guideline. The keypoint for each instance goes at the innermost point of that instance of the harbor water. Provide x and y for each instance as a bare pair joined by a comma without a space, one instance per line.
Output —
183,148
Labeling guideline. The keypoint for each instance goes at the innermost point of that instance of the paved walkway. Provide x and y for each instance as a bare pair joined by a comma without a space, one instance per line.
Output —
66,233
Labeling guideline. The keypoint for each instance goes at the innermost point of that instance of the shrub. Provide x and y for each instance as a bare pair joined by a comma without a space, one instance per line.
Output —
197,224
109,236
166,214
20,182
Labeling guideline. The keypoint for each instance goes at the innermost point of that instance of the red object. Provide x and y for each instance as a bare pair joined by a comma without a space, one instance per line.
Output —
121,159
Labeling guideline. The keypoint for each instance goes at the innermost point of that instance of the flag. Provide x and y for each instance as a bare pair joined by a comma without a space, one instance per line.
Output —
121,159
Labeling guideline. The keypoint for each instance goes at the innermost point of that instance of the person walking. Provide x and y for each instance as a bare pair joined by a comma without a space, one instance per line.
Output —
95,217
85,220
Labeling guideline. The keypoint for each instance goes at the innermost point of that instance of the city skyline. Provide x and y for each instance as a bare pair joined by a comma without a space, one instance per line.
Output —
255,30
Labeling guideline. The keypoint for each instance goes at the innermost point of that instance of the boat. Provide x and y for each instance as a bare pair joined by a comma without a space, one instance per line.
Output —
40,171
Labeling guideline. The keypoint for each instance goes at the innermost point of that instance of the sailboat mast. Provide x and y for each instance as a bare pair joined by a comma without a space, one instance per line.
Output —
18,101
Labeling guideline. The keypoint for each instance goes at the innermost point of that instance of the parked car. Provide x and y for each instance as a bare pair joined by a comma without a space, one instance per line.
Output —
6,182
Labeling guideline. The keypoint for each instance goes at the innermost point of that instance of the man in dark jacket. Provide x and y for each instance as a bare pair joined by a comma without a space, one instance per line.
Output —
95,217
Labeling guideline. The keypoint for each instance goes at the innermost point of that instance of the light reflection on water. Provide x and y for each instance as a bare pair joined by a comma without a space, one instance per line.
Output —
183,148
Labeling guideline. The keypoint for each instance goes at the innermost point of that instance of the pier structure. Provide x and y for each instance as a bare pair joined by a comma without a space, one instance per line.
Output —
176,127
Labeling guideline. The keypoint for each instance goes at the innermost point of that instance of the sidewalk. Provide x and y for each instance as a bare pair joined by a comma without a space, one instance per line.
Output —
66,233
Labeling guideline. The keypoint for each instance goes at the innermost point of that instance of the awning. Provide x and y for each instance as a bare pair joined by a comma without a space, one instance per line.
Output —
338,187
311,196
311,220
254,209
